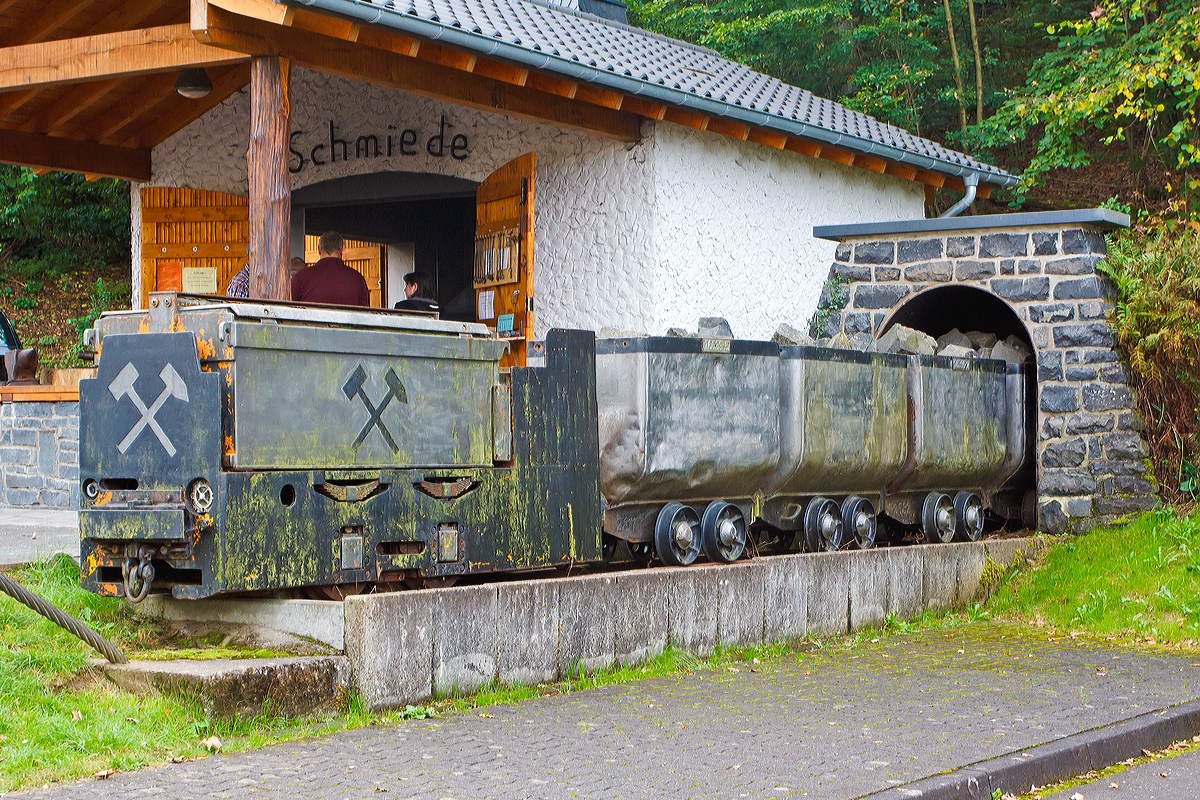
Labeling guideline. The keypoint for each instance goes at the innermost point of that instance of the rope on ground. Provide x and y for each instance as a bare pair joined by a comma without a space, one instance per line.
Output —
62,619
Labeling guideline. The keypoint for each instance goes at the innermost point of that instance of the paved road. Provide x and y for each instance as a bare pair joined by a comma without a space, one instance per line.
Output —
26,534
1170,779
823,724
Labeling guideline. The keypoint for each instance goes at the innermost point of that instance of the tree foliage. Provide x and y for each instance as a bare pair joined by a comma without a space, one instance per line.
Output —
60,221
1126,72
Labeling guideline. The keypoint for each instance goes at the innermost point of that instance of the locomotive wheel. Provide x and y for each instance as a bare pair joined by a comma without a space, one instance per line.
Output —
723,532
677,535
858,519
937,518
822,525
968,517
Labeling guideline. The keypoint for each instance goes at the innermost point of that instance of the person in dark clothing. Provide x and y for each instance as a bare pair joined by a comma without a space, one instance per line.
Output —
418,288
330,280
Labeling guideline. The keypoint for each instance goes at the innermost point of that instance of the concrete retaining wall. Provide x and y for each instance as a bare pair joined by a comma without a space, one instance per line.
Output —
405,647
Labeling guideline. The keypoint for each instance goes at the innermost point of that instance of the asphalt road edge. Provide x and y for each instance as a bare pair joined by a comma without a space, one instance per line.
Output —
1093,749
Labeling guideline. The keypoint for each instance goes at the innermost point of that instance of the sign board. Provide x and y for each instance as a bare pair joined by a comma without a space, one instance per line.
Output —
200,280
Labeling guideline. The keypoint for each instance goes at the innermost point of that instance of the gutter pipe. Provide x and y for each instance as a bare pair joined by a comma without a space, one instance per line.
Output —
370,14
971,181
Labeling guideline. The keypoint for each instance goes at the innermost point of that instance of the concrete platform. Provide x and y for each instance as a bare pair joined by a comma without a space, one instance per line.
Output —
228,688
29,534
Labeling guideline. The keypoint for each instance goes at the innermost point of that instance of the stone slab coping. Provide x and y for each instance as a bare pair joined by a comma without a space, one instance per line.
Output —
1098,217
37,393
1094,749
294,686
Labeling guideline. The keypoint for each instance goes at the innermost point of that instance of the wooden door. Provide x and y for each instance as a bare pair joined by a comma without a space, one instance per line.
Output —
504,254
369,259
192,229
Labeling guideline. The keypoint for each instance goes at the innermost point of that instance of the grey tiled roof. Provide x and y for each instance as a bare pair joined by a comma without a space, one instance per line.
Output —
582,47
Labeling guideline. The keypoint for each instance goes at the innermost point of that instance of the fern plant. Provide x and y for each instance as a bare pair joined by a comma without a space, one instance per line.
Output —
1157,321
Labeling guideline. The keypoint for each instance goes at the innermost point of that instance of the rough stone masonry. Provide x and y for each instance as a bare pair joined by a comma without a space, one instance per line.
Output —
39,455
1091,456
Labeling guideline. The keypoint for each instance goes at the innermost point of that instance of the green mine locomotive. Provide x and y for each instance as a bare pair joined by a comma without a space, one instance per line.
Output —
230,446
237,447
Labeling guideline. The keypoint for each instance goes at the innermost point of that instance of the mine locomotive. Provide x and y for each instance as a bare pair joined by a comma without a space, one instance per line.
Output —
231,446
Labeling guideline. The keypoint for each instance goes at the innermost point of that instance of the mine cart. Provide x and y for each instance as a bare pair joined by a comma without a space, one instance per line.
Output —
844,427
238,446
689,435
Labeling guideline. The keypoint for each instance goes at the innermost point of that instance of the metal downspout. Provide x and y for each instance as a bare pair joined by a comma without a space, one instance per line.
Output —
970,181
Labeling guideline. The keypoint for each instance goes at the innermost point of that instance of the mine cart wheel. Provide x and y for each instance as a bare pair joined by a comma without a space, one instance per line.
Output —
968,517
937,518
723,532
677,535
822,525
858,519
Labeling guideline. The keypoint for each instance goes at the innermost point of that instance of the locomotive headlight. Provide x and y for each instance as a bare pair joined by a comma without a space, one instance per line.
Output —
200,496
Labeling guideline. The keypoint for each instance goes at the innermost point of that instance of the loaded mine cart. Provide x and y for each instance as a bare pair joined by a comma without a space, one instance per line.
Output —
231,446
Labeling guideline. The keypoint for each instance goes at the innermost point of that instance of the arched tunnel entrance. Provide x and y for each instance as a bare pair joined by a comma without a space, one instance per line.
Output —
939,310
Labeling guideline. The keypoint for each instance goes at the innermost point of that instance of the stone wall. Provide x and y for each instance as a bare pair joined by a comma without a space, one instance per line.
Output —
39,455
1091,457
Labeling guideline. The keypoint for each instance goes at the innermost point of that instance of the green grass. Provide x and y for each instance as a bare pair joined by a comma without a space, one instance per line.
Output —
62,720
1138,582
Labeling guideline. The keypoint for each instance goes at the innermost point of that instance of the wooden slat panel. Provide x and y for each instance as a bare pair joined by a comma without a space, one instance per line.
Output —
215,214
188,223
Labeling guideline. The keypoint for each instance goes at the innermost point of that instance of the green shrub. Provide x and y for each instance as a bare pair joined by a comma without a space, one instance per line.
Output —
58,222
1157,319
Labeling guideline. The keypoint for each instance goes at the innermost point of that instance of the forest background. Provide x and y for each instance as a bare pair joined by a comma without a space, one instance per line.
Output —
1089,103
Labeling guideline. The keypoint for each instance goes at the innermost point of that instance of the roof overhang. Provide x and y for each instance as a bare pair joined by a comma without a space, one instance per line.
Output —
97,101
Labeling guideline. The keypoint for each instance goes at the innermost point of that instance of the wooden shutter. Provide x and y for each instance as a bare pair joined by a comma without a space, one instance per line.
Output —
369,259
195,229
504,254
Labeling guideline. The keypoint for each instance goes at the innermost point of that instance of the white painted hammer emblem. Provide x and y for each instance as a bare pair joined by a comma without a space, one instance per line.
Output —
173,386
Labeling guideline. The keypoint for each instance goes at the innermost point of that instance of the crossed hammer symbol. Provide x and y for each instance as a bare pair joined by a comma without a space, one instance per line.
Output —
354,386
173,386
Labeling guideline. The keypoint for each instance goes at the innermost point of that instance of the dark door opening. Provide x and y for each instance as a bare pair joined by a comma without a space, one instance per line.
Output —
438,235
939,310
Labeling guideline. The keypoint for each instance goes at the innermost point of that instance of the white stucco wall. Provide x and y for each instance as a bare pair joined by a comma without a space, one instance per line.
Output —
733,228
640,236
592,220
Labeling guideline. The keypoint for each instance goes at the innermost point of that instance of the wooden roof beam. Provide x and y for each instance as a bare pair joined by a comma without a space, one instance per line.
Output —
355,61
54,117
127,16
689,119
109,55
49,18
56,153
643,108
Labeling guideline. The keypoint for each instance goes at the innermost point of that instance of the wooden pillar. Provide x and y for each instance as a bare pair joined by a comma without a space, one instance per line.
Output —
270,182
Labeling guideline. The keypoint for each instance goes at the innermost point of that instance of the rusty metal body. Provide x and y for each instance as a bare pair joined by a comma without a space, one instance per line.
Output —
232,446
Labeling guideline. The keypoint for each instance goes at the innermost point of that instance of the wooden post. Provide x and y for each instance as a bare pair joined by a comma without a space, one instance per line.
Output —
270,182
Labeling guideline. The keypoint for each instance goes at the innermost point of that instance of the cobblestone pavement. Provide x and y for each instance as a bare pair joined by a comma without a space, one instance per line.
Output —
837,723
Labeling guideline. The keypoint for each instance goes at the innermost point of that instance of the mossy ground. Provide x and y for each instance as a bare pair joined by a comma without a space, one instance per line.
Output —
1137,583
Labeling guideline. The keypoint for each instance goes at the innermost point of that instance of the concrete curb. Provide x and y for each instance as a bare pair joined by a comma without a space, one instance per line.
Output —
1054,761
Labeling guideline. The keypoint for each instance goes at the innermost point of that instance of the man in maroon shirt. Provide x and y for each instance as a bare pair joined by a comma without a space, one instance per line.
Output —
330,280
